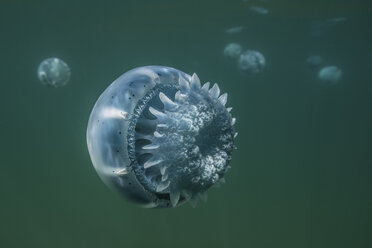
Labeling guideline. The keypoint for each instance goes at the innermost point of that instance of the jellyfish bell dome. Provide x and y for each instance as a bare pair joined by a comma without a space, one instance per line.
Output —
233,50
330,74
159,138
251,61
54,72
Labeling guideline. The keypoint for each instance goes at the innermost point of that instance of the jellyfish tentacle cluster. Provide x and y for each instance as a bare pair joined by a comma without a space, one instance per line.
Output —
177,141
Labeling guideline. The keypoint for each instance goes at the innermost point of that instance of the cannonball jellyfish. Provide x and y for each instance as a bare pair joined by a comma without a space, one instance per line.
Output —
233,50
330,74
159,138
54,72
251,61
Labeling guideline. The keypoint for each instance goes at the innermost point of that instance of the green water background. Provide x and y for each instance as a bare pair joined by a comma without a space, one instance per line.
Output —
301,176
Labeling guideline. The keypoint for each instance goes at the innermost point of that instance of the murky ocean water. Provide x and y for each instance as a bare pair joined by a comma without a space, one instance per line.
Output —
301,176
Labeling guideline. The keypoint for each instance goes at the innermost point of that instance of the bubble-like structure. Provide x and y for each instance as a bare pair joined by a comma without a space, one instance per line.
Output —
251,61
330,74
54,72
233,50
158,137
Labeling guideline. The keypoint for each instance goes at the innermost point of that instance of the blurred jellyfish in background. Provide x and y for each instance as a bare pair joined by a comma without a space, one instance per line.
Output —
330,74
259,10
234,30
233,50
54,72
335,21
321,27
314,60
316,28
251,61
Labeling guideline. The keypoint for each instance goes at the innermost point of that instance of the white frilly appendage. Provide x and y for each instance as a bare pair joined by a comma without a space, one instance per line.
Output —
192,141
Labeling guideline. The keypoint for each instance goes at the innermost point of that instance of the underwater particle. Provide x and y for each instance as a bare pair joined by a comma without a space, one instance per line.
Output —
173,144
234,30
233,50
330,74
314,60
251,61
54,72
259,10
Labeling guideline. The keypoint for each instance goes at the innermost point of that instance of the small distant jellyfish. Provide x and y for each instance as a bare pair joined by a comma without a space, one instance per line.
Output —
314,60
54,72
234,30
337,20
251,61
330,74
160,138
233,50
259,10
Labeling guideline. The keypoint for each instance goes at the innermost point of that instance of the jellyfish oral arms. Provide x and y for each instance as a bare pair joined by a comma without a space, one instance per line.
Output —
159,137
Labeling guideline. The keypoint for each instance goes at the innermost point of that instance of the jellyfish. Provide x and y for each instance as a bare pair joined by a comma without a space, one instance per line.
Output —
337,20
159,138
259,10
234,30
233,50
330,74
251,61
54,72
314,60
321,27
